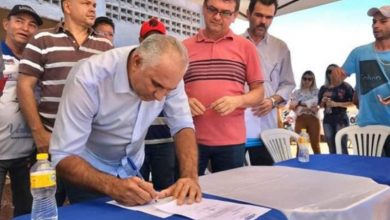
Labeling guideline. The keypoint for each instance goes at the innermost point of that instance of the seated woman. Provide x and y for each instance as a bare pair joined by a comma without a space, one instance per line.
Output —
304,103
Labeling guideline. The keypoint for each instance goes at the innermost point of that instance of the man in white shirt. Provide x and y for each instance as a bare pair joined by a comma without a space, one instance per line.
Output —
108,103
279,79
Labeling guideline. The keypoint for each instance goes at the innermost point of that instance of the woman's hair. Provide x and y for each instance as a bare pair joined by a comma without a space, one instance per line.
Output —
328,72
313,82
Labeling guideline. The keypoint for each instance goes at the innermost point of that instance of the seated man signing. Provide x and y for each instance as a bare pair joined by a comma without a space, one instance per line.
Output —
108,103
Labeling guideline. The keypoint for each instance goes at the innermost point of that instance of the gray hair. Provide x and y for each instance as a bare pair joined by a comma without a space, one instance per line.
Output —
157,45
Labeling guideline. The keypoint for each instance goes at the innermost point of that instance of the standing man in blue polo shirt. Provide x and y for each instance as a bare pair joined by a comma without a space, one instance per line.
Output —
16,143
371,64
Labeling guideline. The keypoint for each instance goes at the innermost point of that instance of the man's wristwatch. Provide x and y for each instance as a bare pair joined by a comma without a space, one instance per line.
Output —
273,102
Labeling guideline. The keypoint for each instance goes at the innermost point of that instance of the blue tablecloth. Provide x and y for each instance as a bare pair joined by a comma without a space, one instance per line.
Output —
100,210
376,168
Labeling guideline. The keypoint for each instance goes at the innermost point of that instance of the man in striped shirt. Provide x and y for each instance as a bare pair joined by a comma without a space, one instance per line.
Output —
220,65
46,62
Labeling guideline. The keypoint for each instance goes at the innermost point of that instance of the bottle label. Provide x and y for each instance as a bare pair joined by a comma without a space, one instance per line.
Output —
301,140
43,179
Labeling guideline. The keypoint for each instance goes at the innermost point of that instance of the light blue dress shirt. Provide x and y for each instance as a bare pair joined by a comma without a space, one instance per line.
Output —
279,79
103,121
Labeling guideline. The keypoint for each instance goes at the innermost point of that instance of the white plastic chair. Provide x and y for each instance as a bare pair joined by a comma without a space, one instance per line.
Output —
277,142
365,141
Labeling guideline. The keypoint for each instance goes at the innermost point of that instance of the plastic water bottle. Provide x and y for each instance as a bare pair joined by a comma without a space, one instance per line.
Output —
43,189
328,109
303,146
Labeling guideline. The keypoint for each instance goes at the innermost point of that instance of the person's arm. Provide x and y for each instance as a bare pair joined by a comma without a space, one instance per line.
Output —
74,123
321,96
179,120
339,73
287,80
228,104
28,105
340,104
293,103
130,191
187,188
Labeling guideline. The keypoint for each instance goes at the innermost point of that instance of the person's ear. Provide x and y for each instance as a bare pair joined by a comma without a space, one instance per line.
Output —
136,59
66,6
5,24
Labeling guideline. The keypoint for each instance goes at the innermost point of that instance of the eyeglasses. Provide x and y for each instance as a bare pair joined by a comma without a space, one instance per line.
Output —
307,78
214,11
105,34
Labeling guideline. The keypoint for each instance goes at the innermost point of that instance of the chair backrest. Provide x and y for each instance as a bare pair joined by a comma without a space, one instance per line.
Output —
277,142
365,141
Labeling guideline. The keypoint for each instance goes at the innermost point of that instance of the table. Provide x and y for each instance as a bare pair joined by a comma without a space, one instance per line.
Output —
376,168
100,210
303,194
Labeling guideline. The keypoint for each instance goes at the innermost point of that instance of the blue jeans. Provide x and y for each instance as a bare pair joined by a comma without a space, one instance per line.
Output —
160,160
19,173
221,157
330,130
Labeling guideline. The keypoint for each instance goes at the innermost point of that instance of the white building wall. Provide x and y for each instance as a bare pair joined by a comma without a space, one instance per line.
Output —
182,17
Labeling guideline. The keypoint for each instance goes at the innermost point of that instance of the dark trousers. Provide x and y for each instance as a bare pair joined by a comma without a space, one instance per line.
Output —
221,157
259,156
160,161
19,173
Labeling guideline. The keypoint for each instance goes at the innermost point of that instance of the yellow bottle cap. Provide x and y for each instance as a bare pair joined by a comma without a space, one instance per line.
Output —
42,156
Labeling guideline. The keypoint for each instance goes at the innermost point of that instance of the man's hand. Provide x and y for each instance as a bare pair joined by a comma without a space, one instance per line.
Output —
264,108
184,190
133,191
42,140
339,74
197,108
226,104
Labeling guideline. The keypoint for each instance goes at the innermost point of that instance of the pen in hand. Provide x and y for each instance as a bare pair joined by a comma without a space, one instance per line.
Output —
139,175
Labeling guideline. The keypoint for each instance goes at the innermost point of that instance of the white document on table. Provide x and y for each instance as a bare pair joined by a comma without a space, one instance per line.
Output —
214,209
147,208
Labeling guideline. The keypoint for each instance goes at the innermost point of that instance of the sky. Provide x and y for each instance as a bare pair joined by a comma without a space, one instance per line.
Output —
322,35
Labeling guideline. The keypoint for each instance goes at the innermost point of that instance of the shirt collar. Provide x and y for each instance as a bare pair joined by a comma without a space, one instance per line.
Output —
248,36
60,28
6,50
202,37
121,77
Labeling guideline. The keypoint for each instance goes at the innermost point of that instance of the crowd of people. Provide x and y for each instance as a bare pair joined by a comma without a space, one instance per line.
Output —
112,118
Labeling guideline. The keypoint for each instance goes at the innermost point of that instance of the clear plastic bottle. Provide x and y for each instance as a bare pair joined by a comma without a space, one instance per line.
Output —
328,109
43,189
303,146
